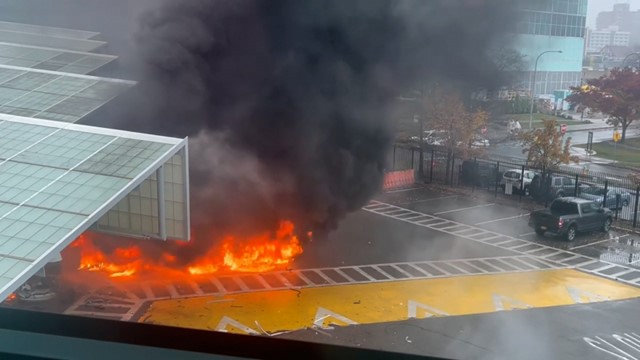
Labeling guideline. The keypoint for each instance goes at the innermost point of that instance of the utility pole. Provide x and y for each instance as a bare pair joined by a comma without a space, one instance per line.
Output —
532,86
421,141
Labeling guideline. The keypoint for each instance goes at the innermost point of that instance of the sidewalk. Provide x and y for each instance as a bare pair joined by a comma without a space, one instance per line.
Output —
584,158
601,125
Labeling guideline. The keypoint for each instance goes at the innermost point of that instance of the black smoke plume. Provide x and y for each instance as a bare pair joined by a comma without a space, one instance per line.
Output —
287,101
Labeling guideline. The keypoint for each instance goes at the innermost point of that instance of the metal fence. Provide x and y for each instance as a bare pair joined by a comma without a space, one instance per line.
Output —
619,193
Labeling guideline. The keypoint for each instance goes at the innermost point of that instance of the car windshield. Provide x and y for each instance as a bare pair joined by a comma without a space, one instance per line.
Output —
319,178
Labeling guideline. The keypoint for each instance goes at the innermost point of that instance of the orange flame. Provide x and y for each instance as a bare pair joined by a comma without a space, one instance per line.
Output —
259,253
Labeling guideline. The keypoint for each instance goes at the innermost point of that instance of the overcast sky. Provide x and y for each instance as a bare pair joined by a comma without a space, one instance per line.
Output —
596,6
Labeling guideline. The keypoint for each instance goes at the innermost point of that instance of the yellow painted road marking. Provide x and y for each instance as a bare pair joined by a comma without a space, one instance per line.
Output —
284,310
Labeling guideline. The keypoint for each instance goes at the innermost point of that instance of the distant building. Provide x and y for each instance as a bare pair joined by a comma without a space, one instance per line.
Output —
552,25
622,18
598,39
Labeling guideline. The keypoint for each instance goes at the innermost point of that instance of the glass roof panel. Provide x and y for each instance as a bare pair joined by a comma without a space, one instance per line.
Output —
58,179
47,30
38,57
54,95
50,41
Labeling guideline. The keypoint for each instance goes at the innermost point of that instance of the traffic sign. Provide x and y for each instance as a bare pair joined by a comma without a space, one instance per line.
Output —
617,136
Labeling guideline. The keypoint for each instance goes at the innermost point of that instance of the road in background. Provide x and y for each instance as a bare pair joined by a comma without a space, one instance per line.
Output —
512,150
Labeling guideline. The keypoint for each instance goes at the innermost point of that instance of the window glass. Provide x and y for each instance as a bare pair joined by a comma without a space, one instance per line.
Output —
586,208
560,207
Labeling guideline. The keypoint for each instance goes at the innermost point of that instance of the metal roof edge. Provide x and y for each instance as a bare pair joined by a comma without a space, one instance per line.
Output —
113,57
92,129
88,32
59,73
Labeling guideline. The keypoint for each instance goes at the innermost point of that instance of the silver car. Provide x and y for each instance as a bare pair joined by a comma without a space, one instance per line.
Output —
596,193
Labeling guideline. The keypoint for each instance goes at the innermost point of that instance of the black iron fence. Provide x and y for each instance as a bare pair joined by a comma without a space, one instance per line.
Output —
518,179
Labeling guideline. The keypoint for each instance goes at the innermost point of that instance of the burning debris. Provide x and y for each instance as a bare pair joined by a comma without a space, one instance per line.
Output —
259,253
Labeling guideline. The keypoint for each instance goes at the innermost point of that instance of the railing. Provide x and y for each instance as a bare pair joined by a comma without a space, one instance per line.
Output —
619,193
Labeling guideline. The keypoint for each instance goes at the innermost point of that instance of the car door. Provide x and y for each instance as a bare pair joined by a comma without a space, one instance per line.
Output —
569,186
588,217
557,186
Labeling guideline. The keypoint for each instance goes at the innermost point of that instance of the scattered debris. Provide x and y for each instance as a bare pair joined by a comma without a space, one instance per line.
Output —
357,302
408,340
316,329
220,301
264,332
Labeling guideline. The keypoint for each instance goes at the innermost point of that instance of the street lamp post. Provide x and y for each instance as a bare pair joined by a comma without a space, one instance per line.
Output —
533,82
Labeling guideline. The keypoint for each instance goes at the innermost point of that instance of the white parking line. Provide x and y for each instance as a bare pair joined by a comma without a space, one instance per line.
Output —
527,234
496,220
597,242
432,199
463,209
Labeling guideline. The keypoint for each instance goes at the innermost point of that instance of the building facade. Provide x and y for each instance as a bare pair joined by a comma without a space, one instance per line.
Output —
551,25
599,39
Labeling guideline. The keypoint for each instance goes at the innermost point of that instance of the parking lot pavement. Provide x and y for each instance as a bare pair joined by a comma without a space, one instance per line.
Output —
366,238
480,213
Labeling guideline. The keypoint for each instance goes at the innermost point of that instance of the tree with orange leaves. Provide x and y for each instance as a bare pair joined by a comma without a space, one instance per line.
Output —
459,127
616,94
544,147
446,112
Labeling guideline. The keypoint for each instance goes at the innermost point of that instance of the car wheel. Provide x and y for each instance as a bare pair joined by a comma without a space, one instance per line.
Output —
539,231
571,233
607,225
625,203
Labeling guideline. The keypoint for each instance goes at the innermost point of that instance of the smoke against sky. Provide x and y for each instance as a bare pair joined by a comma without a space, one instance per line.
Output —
287,101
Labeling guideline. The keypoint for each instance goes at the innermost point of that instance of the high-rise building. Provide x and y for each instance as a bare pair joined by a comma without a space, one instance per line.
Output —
550,26
622,18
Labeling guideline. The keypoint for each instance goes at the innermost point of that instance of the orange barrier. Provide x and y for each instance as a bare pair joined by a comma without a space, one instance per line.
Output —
398,179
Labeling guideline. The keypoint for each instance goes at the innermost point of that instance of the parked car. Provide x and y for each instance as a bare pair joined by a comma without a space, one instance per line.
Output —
568,216
480,142
513,177
552,187
596,193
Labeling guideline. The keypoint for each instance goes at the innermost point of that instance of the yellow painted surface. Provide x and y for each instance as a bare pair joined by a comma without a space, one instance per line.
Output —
383,302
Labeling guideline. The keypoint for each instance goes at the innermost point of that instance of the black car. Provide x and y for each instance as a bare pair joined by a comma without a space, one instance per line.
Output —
568,216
